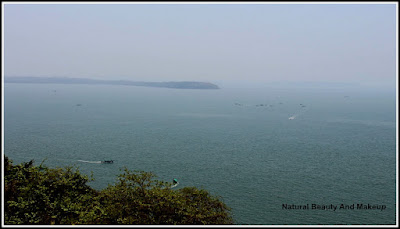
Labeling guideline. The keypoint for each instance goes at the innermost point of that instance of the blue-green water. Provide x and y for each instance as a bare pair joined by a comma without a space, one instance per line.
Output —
339,149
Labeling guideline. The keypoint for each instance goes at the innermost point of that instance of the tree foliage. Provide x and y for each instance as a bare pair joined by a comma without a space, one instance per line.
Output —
42,195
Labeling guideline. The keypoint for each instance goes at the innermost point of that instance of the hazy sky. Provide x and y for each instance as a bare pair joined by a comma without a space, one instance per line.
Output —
202,42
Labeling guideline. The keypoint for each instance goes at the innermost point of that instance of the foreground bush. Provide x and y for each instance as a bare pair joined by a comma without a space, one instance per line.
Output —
41,195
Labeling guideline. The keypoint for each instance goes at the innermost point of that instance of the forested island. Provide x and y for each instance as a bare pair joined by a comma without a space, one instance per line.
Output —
67,80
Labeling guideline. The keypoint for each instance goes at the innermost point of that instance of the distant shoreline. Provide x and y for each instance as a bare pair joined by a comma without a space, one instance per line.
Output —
67,80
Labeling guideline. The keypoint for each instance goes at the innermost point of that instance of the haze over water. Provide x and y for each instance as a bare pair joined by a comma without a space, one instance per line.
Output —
257,143
339,149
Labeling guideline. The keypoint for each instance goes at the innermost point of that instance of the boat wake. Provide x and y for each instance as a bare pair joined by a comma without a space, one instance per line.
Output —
93,162
173,186
301,112
295,116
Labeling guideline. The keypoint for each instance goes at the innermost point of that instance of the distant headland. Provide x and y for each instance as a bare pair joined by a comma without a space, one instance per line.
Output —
67,80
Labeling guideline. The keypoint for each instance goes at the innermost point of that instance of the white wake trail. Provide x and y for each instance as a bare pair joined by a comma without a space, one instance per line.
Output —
301,112
93,162
173,186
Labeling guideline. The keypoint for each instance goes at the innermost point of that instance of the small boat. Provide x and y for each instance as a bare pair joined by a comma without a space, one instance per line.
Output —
108,162
174,183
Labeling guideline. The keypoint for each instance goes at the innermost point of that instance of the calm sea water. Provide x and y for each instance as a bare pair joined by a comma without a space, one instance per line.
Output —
339,148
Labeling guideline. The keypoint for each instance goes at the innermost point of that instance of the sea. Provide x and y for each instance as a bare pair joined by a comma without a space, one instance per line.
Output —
275,155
